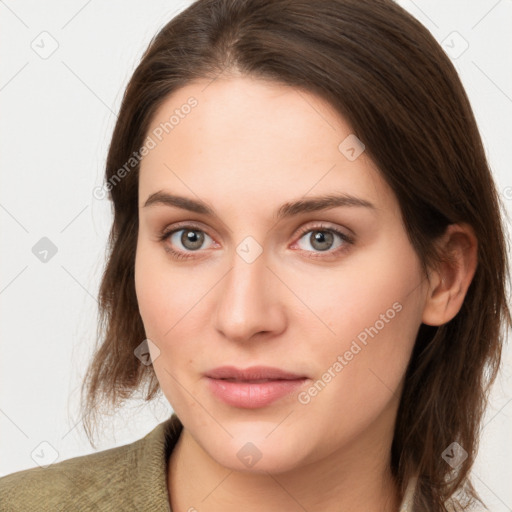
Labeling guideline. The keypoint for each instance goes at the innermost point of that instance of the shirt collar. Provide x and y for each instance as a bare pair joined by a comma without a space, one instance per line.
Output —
407,500
148,480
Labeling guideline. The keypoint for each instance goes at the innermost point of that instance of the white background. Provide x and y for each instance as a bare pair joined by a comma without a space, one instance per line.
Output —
56,122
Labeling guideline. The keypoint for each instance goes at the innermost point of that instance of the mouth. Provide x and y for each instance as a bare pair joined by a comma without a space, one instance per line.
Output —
253,387
254,373
251,381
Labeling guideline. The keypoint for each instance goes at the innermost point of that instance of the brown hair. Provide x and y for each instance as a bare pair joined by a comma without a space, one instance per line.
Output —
389,78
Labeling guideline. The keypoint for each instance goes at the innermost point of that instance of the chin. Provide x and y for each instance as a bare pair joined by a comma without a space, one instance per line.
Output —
256,453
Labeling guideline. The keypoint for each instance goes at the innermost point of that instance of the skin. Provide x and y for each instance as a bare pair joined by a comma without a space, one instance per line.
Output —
248,147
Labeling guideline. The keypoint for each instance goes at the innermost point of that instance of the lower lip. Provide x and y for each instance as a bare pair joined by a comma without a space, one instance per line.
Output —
253,395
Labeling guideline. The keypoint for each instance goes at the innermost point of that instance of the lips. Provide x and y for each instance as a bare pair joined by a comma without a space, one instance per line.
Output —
253,387
254,373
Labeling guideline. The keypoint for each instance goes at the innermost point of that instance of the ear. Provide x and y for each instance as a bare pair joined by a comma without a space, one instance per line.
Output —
450,280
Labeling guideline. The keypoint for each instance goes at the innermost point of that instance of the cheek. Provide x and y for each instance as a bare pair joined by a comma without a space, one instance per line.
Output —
164,298
372,307
148,288
157,296
169,299
375,294
159,288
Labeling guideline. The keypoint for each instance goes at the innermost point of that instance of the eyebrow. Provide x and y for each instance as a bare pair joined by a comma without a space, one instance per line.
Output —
286,210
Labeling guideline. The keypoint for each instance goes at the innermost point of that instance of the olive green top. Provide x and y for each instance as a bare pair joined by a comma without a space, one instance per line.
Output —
132,477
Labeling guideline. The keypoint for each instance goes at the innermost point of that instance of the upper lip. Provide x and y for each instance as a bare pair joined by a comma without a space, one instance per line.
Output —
252,373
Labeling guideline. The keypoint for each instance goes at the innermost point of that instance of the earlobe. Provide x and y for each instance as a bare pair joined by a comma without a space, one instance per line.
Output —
450,280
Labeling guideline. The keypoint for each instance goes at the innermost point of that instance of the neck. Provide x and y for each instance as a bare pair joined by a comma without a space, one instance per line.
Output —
356,478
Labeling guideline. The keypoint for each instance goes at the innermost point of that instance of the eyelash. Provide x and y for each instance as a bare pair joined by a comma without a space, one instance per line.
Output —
348,240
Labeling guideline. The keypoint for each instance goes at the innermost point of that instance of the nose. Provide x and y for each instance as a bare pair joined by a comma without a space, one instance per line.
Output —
249,302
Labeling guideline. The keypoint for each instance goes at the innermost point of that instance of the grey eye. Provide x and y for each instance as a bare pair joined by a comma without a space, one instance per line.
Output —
190,239
320,239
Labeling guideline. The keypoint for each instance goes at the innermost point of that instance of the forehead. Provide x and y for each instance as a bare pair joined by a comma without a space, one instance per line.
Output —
256,139
252,111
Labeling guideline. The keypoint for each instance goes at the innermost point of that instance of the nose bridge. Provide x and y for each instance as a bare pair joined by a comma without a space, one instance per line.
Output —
248,302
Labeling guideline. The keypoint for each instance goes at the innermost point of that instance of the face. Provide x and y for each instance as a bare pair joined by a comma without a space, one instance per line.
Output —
234,274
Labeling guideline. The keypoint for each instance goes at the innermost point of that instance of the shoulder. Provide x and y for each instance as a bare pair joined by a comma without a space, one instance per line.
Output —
462,499
465,499
88,480
456,505
128,477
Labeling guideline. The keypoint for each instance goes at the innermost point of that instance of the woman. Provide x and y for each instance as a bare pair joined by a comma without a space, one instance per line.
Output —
307,259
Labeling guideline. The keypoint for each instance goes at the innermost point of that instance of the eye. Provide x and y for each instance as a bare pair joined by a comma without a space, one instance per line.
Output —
189,239
323,239
186,239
